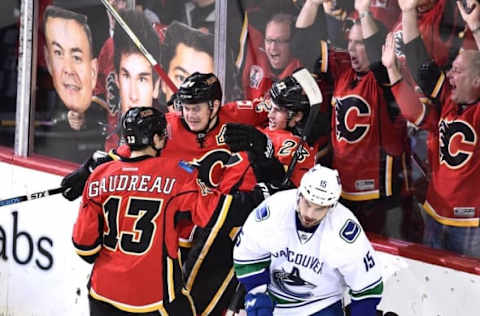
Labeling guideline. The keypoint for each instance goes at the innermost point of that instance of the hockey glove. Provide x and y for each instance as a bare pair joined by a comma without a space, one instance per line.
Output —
267,170
75,181
243,137
259,304
265,190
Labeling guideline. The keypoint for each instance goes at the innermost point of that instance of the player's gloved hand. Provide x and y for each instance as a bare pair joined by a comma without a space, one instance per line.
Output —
266,189
243,137
75,181
113,93
259,304
267,170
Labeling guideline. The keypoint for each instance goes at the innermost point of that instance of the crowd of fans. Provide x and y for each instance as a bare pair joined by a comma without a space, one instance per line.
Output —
400,81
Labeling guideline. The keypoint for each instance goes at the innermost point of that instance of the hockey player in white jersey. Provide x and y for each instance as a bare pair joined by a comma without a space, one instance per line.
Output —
300,249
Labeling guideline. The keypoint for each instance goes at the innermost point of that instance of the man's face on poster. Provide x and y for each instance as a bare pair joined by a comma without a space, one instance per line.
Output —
136,81
70,63
185,62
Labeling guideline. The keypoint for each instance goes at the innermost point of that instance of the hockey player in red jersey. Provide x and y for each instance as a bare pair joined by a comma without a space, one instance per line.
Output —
197,132
196,144
289,108
124,229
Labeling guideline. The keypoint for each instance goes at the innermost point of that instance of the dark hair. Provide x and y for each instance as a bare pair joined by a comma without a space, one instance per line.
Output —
145,32
52,11
181,33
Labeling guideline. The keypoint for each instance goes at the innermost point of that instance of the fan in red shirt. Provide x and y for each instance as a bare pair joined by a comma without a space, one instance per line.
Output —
452,121
269,57
368,137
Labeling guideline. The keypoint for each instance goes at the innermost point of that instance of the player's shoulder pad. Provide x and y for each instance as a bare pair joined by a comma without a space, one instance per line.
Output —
350,231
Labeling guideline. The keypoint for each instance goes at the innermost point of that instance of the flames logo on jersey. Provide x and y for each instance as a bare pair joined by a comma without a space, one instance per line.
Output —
457,142
349,112
256,76
210,166
291,282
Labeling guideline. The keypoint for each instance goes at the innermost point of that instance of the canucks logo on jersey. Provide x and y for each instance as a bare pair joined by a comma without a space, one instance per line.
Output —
350,231
291,283
262,213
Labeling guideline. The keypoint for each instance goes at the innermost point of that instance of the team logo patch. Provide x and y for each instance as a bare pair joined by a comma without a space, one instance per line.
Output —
256,76
262,214
186,166
350,231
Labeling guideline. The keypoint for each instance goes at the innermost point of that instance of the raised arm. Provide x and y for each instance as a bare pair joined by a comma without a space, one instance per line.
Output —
472,18
409,20
308,13
369,27
423,68
404,94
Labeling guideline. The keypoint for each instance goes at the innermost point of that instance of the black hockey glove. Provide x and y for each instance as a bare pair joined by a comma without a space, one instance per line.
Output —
75,181
265,190
267,170
243,137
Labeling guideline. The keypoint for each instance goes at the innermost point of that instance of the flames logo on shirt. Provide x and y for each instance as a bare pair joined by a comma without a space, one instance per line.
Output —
350,112
210,166
457,142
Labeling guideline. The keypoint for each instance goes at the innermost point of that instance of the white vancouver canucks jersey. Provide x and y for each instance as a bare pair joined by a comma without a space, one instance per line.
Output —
307,272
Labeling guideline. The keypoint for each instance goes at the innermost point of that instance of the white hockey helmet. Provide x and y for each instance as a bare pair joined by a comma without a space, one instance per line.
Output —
321,186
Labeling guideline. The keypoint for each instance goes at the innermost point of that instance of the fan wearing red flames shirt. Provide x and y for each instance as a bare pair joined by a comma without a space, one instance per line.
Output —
452,120
368,138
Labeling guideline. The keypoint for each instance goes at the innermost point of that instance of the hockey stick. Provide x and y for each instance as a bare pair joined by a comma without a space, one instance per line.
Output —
33,196
315,97
236,301
139,45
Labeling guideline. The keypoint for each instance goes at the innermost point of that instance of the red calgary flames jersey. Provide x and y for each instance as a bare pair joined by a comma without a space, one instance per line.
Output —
124,220
365,140
257,74
455,161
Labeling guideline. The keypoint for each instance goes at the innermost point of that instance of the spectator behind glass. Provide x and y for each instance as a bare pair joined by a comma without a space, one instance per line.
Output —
71,63
368,139
439,23
273,61
138,83
199,14
117,5
452,119
185,51
472,19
